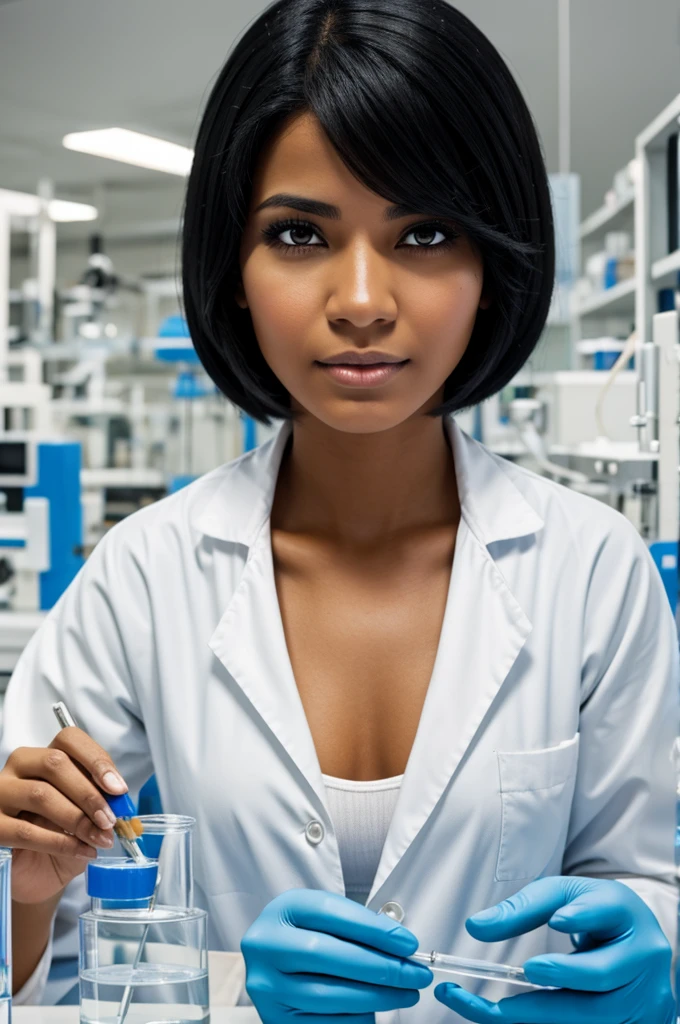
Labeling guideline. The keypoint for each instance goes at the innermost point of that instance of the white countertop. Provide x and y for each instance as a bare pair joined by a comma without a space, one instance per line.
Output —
71,1015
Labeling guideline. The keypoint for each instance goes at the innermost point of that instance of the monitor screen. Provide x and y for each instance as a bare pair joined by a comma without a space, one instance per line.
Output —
13,456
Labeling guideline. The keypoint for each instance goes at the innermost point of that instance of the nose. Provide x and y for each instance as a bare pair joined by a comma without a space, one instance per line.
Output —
362,287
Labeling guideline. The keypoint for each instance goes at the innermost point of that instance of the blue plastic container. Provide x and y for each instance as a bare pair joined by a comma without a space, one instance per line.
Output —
604,360
120,883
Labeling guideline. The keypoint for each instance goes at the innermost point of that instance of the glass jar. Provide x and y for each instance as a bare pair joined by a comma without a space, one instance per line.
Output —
5,935
140,961
168,838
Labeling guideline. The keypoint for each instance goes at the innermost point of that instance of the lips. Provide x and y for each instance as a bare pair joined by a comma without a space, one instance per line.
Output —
370,375
366,366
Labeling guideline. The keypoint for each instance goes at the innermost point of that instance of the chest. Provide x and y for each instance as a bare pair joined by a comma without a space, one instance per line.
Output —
362,630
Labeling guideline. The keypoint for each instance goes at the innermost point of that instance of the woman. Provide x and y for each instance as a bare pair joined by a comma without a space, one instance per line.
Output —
384,669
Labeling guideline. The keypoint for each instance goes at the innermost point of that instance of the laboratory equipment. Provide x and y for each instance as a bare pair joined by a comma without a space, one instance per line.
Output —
127,827
482,969
168,839
140,960
40,519
5,936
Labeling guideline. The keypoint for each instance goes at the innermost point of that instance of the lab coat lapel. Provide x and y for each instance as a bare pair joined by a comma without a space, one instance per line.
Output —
483,632
250,640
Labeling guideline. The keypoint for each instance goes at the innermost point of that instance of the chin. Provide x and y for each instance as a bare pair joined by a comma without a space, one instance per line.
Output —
364,418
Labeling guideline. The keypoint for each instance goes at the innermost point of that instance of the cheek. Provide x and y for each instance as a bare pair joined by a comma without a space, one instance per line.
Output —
283,316
442,317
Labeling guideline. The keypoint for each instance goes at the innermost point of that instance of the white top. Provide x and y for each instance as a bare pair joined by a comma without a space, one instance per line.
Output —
361,813
544,743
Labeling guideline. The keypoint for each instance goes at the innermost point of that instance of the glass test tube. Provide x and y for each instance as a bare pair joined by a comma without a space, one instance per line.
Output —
5,936
476,969
168,838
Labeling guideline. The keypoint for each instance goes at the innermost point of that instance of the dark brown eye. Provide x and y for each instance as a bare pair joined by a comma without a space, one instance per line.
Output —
306,233
424,237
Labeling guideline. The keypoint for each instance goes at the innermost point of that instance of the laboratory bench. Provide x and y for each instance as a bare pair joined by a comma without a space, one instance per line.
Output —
70,1015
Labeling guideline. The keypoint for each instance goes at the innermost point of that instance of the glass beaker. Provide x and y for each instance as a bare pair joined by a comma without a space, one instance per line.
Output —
5,935
140,961
168,839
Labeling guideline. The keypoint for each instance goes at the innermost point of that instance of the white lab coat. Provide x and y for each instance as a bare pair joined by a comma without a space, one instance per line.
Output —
544,742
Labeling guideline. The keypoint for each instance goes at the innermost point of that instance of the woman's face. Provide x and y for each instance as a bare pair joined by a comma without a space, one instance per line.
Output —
355,281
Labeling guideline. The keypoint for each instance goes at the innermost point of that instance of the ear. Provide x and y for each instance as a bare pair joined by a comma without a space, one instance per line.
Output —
485,301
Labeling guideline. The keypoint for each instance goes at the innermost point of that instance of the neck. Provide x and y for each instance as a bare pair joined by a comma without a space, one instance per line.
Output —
365,489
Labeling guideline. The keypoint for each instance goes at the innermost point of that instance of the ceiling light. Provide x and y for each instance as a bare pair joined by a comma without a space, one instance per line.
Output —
23,204
133,148
62,210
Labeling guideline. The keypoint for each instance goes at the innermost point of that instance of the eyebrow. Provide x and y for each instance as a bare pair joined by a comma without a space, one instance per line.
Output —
320,209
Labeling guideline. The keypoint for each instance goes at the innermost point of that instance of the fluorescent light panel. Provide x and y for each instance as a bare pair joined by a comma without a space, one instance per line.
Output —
24,204
62,210
133,148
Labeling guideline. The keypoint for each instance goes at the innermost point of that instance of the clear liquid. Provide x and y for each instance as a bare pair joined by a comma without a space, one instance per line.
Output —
161,994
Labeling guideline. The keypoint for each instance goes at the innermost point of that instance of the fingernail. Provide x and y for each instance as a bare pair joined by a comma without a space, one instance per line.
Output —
90,855
113,781
104,841
104,820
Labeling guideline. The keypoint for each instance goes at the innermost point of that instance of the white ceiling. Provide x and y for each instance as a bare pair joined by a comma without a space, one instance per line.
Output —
70,65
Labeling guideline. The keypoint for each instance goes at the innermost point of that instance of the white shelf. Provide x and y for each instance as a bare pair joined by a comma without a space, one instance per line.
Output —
612,301
657,133
667,266
87,407
608,216
103,478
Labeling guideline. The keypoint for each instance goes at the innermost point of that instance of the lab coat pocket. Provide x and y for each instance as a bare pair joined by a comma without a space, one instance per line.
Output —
537,787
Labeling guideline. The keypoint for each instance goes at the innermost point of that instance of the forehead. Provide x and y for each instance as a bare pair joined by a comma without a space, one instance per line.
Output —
300,158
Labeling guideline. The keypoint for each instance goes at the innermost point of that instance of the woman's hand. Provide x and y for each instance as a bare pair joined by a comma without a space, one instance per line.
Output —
53,815
620,972
314,954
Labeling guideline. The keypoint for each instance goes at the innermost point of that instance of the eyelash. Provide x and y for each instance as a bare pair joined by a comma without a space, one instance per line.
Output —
273,230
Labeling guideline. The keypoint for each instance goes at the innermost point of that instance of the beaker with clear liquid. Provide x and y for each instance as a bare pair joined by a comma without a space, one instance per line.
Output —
140,961
5,935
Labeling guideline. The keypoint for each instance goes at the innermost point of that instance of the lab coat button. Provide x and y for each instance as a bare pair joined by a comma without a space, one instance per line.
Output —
393,910
314,832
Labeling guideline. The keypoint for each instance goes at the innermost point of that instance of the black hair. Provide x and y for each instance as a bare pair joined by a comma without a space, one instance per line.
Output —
423,110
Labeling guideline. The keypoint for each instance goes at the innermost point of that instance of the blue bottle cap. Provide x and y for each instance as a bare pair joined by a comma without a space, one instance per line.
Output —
121,878
123,806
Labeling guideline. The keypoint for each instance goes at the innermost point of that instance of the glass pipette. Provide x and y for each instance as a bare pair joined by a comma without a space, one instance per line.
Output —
476,969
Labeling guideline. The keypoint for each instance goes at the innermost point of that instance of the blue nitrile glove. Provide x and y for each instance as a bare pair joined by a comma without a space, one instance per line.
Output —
313,954
620,972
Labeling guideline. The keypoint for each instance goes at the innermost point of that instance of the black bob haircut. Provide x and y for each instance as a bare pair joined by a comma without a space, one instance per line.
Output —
423,110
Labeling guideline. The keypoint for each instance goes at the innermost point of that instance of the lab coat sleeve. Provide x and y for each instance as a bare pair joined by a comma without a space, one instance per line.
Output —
623,817
90,652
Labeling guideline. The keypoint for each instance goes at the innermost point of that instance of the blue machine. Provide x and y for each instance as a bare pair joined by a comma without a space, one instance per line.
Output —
665,555
175,346
59,482
41,528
